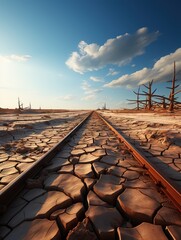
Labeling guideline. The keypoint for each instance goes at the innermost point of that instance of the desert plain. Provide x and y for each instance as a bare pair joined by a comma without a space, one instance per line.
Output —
26,136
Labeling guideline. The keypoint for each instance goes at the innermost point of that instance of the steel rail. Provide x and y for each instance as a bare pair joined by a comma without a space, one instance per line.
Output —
160,178
8,193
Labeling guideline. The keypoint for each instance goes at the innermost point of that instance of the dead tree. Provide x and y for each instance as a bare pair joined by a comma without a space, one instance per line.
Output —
163,102
149,95
137,101
173,91
104,106
20,105
148,102
137,98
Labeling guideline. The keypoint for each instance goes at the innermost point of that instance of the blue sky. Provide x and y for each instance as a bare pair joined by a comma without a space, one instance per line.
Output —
79,54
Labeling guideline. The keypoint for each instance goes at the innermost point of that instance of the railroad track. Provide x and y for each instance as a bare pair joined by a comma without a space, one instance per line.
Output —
24,144
90,186
161,179
17,184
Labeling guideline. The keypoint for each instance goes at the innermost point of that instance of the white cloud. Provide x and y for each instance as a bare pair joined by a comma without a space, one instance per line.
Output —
96,79
120,51
162,71
85,86
112,72
67,97
14,58
88,97
89,91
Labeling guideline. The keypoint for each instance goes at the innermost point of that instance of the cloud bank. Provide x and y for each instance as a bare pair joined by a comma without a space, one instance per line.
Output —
14,58
90,93
96,79
112,72
120,51
162,71
67,97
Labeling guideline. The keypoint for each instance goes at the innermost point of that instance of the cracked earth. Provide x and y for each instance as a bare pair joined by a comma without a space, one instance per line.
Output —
24,138
157,135
92,189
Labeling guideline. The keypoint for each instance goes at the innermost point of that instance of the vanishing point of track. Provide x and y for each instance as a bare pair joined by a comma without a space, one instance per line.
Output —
103,165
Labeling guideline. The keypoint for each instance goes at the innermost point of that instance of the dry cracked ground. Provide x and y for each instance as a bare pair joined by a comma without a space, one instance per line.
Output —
24,138
93,189
157,135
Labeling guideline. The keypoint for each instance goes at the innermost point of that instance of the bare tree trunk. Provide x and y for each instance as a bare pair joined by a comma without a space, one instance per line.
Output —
172,92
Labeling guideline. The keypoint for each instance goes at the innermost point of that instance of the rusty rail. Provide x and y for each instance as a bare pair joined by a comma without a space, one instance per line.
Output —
160,178
8,193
